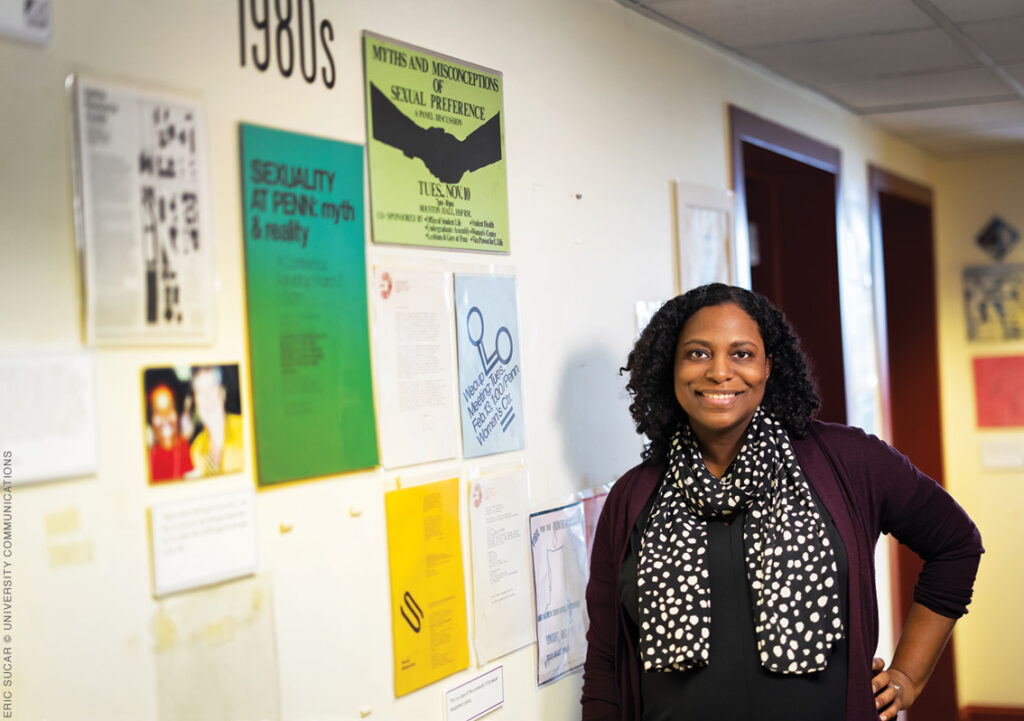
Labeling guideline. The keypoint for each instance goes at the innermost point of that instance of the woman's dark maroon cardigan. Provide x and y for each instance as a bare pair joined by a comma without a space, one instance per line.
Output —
868,489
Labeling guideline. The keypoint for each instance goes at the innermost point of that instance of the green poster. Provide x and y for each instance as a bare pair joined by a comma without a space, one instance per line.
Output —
436,146
312,396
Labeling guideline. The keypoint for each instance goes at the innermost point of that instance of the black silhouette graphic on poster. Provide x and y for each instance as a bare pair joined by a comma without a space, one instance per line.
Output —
141,184
169,206
446,157
435,149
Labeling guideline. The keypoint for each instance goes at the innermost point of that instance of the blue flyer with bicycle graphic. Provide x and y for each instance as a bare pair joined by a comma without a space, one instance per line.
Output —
490,375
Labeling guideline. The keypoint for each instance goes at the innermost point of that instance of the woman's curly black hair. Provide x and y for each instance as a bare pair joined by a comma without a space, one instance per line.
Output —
790,395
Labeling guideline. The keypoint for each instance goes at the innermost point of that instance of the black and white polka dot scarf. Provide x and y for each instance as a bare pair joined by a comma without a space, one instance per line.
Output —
791,566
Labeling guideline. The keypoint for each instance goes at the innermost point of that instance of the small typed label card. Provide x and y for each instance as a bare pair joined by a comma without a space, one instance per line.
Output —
475,698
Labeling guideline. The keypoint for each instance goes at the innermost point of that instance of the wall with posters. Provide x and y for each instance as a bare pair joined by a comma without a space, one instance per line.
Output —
969,192
602,108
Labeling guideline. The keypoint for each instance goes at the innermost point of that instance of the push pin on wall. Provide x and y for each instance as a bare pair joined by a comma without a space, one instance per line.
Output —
365,711
284,528
579,196
354,512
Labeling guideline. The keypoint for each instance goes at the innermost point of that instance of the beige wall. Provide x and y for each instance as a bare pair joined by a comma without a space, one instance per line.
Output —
599,102
990,639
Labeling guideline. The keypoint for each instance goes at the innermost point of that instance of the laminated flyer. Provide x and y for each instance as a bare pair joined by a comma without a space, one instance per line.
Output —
490,374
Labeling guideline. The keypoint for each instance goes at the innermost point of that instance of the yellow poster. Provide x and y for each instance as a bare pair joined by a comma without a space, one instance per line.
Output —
428,598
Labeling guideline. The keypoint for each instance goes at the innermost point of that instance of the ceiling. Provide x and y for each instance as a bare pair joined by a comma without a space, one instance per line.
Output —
947,75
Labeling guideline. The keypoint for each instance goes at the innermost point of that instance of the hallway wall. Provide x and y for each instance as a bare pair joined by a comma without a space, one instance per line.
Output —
990,639
600,103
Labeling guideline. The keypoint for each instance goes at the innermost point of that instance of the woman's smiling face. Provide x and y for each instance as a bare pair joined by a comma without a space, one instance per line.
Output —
720,370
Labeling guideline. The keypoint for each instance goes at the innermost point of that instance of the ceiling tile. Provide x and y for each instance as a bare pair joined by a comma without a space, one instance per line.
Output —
968,143
949,87
1016,71
826,61
1004,117
1001,39
876,56
739,23
964,11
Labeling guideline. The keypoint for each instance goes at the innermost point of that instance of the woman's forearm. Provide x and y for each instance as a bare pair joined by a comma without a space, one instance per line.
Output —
925,634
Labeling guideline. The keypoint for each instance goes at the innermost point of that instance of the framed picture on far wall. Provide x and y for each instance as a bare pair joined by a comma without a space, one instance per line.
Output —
193,422
994,302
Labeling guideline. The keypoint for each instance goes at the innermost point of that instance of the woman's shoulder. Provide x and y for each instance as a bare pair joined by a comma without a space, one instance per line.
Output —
853,451
641,473
638,481
841,439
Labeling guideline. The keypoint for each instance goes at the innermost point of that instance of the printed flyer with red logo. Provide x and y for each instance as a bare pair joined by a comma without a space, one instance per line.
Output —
414,365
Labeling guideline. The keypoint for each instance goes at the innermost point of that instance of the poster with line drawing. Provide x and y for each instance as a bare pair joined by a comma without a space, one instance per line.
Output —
558,542
490,374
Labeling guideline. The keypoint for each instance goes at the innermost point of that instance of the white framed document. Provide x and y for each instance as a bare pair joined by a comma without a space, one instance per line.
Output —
142,208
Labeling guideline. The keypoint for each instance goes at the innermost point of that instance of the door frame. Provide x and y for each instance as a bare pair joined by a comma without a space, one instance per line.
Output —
884,181
901,577
746,127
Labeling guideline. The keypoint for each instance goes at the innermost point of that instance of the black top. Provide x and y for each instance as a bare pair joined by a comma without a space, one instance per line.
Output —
734,686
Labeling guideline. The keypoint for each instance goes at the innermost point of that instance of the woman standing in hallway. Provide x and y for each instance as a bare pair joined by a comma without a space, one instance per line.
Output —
732,574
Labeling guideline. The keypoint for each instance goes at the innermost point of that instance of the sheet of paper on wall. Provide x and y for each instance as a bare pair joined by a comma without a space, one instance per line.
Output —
1002,454
559,548
498,521
428,598
994,302
27,20
215,654
48,423
490,375
144,227
305,272
999,391
415,367
435,145
201,541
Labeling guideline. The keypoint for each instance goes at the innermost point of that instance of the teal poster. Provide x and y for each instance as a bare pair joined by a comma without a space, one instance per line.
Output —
312,395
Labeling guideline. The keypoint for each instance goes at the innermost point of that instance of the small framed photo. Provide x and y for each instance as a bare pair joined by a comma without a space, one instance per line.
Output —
193,422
